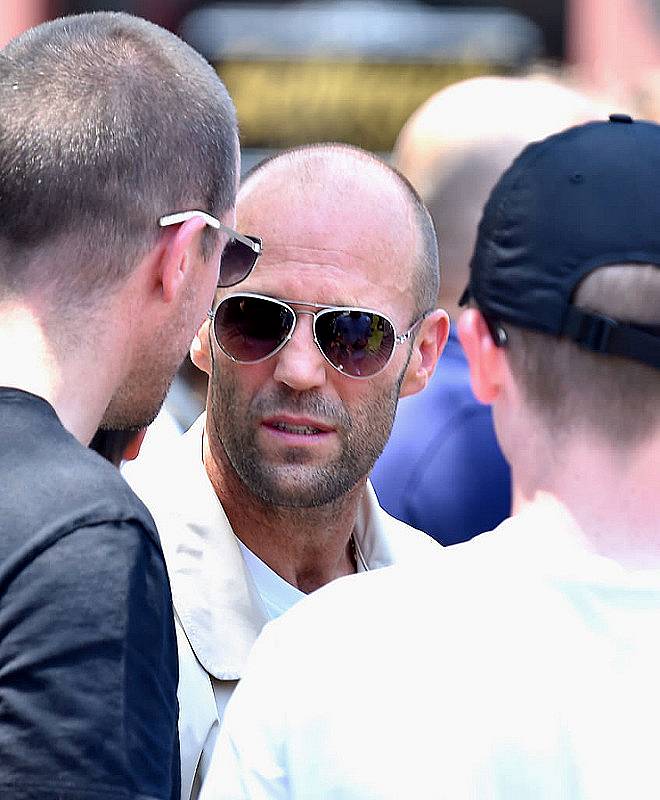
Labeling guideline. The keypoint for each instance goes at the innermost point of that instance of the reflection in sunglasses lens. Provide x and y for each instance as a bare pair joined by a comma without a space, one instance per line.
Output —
359,343
249,328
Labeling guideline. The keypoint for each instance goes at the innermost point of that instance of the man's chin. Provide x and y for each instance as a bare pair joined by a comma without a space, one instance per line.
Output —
125,424
120,417
300,487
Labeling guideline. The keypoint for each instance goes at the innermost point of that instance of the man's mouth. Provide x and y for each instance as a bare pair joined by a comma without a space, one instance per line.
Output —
305,430
298,427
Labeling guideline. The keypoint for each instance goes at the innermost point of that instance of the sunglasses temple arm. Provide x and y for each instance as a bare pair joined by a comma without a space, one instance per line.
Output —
403,337
184,216
254,246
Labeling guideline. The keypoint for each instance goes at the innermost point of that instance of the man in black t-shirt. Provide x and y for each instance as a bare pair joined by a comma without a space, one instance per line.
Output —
118,171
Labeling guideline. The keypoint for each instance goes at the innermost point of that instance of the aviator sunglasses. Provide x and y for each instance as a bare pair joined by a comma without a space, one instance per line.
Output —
357,342
241,252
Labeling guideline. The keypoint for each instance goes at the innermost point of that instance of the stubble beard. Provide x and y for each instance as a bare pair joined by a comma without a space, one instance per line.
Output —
136,403
127,412
293,483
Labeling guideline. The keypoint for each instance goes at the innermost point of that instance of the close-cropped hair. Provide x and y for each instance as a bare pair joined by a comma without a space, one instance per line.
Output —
570,387
107,122
426,276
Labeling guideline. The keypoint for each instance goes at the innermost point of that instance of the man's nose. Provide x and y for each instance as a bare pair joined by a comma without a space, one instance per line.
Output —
300,364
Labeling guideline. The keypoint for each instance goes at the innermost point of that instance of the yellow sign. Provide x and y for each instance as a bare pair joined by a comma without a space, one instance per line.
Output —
286,103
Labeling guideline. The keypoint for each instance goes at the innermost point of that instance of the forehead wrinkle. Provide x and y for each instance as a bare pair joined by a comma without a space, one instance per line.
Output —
325,283
293,253
328,279
348,206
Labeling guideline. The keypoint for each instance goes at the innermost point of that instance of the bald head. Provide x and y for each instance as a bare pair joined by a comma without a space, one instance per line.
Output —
455,147
342,233
334,177
331,160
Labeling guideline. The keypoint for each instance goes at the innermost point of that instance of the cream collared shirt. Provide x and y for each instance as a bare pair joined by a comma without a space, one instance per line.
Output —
218,610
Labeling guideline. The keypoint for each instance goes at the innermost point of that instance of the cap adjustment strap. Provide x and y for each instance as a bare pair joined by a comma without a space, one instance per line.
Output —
604,335
590,330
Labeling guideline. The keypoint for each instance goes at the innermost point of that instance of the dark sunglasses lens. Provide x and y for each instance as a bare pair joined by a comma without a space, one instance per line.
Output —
250,328
237,261
359,343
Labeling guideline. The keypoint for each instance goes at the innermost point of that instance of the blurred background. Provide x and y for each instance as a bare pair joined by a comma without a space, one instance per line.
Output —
354,70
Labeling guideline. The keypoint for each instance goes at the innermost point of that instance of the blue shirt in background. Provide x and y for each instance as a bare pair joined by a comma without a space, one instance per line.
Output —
442,470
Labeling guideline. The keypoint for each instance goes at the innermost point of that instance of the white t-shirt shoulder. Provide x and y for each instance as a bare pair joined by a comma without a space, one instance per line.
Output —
513,667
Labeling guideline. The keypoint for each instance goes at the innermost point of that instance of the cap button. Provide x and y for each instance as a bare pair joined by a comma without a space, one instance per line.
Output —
620,118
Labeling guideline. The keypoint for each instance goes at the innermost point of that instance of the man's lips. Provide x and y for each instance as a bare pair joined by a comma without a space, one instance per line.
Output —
297,426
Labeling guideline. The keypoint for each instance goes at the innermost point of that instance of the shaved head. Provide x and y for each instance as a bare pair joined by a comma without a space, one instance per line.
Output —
455,147
346,172
339,228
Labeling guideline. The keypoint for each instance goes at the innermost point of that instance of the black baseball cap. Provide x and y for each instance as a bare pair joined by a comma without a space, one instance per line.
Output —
581,199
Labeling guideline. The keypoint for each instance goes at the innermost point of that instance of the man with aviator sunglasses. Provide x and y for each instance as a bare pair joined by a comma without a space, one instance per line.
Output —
267,497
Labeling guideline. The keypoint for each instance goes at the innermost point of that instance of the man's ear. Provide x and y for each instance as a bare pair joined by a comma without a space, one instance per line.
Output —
132,450
427,348
200,352
177,256
486,360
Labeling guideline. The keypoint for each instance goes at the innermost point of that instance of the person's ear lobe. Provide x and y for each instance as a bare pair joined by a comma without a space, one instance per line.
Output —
177,257
485,359
427,348
132,450
200,353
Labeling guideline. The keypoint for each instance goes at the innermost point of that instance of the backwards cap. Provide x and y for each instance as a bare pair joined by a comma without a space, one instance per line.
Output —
582,199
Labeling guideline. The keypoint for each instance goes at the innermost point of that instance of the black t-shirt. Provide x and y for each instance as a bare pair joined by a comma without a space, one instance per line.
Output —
88,662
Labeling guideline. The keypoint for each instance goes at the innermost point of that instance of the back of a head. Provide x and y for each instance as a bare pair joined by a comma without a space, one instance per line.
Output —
107,122
566,270
455,147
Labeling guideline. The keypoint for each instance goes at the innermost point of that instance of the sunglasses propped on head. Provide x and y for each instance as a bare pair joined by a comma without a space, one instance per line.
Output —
357,342
241,252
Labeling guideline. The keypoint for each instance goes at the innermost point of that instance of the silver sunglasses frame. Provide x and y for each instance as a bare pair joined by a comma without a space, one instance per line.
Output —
184,216
322,309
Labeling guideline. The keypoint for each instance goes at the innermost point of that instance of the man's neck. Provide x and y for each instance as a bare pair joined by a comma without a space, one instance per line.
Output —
75,385
611,500
308,547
